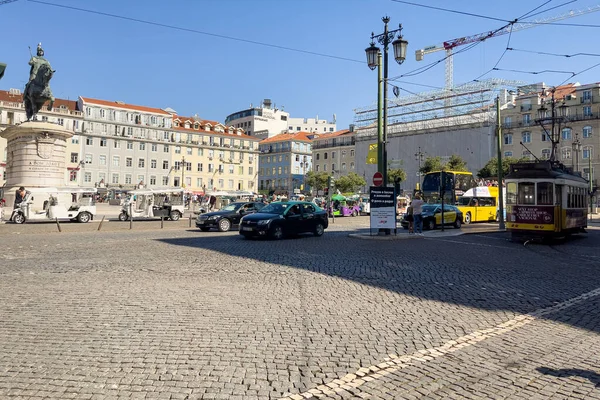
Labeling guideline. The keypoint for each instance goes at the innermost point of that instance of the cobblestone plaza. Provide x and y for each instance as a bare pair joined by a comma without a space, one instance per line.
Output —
175,313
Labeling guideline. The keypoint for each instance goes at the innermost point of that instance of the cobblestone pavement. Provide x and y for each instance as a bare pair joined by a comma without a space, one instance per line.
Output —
176,314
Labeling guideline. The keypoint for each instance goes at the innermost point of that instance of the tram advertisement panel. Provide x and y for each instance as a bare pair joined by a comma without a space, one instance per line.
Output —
532,214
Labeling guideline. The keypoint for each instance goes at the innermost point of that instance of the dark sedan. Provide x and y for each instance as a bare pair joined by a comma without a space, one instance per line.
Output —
432,216
285,218
228,216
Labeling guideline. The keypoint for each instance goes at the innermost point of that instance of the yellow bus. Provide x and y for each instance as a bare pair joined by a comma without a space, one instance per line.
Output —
479,204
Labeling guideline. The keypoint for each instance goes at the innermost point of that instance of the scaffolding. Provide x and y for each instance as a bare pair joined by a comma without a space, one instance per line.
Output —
467,99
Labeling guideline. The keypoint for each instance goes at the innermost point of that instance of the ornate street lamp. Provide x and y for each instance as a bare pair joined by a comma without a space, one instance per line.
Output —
372,54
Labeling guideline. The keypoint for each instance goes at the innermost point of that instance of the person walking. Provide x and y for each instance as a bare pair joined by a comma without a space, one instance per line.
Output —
417,207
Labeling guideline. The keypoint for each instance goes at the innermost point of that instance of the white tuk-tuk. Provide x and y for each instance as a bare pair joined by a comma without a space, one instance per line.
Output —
154,202
52,203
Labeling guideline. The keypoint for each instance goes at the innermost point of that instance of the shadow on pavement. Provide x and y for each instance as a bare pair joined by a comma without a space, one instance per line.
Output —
592,376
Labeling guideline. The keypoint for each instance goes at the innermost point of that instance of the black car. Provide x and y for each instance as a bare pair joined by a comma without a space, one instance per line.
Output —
285,218
227,216
432,216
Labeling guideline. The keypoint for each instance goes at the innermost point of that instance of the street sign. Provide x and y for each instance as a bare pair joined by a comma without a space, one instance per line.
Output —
383,207
377,179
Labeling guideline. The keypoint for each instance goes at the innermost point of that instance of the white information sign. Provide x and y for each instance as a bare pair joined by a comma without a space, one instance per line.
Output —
383,207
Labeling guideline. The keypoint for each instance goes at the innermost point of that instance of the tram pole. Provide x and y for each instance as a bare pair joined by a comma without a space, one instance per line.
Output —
501,225
591,188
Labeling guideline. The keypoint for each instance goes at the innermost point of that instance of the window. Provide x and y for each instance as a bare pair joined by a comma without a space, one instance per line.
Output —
128,179
587,152
75,140
508,154
508,138
165,148
526,193
165,164
566,134
200,167
141,163
129,162
115,178
165,180
153,164
507,122
117,144
102,177
545,137
526,119
102,142
102,159
116,161
129,145
526,137
88,158
87,177
89,141
351,153
211,167
230,183
324,156
73,176
587,111
152,180
74,157
177,149
221,183
545,154
526,154
332,155
154,148
343,166
566,153
231,169
587,132
198,182
143,146
188,151
545,193
250,170
200,152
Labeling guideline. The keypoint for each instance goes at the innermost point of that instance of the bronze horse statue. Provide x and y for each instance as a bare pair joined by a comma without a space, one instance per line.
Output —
37,91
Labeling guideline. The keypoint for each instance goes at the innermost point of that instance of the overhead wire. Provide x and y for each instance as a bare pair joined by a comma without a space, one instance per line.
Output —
179,28
555,54
450,11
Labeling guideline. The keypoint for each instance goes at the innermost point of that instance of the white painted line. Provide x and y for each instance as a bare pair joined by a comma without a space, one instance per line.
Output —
394,362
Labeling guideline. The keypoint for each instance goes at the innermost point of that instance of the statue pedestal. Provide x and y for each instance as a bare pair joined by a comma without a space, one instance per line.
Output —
35,156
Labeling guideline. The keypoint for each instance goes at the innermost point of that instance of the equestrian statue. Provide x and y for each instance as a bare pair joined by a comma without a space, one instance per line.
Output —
37,90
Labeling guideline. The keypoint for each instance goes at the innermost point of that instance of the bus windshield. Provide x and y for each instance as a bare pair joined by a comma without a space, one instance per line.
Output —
455,184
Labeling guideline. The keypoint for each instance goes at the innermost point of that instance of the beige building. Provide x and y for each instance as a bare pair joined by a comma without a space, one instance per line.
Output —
64,113
334,153
577,133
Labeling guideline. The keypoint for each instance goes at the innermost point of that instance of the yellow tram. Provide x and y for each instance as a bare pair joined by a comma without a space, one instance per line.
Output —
545,199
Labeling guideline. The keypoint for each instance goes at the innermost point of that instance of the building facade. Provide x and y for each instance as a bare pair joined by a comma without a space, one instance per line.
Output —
284,161
577,134
267,121
64,113
334,153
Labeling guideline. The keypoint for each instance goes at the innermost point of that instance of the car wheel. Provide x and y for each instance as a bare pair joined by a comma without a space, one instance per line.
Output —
355,213
457,223
224,225
276,232
319,229
174,215
19,218
468,218
84,217
205,229
431,224
123,217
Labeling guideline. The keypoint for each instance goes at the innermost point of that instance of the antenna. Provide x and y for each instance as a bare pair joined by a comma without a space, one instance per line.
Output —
536,159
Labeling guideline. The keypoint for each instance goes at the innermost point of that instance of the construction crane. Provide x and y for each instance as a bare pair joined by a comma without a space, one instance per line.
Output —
6,1
451,44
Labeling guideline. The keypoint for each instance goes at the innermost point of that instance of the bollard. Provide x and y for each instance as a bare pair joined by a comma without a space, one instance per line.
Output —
190,224
162,221
131,216
58,225
100,225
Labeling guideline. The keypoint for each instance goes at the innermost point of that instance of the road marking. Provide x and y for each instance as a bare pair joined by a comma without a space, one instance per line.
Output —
470,243
394,362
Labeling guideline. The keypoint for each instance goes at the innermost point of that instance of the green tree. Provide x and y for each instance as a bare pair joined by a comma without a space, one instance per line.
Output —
456,163
317,180
396,173
490,169
431,164
349,183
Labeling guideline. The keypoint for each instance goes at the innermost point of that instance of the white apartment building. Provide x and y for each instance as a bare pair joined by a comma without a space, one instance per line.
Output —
267,121
64,113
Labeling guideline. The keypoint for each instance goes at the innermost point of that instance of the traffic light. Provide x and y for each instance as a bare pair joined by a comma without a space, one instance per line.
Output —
326,191
331,182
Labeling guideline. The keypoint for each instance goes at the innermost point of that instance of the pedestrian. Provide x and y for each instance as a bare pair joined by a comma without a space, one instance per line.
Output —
417,206
19,196
409,217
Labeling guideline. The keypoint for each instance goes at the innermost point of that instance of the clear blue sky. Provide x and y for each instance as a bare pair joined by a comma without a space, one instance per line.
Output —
114,59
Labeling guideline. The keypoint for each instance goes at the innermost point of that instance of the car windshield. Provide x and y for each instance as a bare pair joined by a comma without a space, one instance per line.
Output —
429,209
275,208
232,207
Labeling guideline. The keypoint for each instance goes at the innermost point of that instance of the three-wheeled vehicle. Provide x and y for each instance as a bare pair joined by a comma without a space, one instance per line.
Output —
344,207
153,203
52,203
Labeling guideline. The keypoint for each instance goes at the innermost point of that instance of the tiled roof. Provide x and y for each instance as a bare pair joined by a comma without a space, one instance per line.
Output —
331,135
191,120
116,104
18,98
284,137
561,91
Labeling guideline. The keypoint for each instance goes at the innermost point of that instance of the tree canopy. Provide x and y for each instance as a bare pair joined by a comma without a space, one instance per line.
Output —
491,168
317,180
350,183
396,173
455,163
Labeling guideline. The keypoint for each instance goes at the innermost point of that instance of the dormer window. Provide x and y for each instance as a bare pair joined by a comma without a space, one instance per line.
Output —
176,124
196,126
187,125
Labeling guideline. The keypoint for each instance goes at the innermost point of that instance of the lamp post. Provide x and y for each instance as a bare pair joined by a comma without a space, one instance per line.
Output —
552,124
419,155
576,150
374,61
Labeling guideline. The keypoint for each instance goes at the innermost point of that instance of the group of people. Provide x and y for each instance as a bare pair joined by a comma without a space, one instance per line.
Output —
488,182
414,215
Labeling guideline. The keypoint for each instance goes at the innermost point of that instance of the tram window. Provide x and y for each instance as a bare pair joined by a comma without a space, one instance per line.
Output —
569,196
544,194
511,193
526,193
